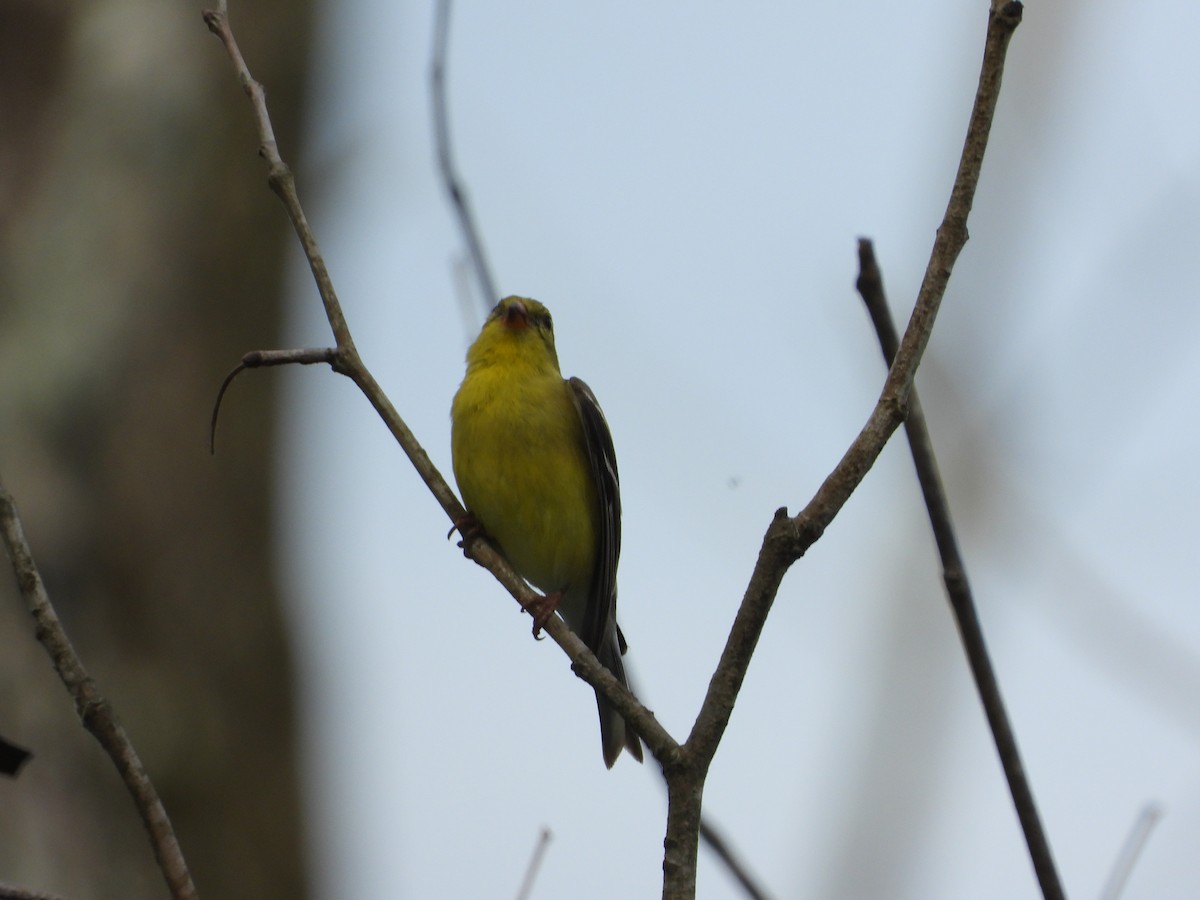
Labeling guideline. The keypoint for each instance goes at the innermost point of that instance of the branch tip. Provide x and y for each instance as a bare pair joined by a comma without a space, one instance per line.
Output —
212,427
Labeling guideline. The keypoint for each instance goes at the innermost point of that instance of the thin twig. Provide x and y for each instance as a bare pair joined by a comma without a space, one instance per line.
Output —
788,538
535,863
1130,851
450,178
257,359
717,843
280,177
958,588
93,708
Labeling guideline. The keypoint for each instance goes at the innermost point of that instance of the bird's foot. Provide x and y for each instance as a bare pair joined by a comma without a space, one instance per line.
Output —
542,608
468,526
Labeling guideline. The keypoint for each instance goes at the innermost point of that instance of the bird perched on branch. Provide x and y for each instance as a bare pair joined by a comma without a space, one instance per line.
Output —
534,460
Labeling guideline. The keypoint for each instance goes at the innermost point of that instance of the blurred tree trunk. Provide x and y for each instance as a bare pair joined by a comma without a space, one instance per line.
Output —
140,255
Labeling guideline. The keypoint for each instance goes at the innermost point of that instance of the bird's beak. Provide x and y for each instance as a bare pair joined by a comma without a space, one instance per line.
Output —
516,316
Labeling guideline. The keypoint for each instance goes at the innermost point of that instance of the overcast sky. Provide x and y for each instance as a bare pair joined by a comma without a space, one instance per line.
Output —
683,186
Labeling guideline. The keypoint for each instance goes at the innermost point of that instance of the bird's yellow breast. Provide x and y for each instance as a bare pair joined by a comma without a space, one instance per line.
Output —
522,467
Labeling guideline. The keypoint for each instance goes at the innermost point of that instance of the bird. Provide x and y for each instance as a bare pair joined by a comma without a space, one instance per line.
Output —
534,460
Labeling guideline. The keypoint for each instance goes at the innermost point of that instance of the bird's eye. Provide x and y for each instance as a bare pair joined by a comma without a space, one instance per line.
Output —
544,321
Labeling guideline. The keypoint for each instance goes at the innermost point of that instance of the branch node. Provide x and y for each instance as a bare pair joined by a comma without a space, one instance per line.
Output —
92,708
279,172
214,20
1011,13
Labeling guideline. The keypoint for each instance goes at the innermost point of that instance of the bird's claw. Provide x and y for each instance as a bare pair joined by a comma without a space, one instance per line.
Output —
542,608
468,526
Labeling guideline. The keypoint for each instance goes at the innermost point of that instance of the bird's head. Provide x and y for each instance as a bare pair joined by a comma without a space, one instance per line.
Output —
517,327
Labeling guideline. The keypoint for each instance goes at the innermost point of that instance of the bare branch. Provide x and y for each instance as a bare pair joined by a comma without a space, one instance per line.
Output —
535,863
93,708
256,359
958,588
450,177
744,877
1130,851
787,539
279,175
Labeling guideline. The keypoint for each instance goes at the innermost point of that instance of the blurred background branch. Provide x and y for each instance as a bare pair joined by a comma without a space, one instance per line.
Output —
93,708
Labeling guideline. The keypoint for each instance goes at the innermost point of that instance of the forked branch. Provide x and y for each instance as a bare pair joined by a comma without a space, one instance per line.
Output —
788,538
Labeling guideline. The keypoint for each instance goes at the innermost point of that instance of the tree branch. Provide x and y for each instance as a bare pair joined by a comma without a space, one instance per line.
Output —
787,539
720,846
535,863
279,175
958,588
257,359
451,180
1135,842
93,708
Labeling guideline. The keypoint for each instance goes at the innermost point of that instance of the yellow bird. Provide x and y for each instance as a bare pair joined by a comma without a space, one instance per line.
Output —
534,460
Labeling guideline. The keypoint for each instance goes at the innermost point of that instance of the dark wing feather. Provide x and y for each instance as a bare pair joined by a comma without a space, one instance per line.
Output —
601,617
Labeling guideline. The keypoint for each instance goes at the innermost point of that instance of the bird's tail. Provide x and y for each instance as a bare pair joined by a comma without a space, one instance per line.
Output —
614,736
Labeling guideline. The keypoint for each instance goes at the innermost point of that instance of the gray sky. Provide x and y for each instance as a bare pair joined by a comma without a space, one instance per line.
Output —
683,186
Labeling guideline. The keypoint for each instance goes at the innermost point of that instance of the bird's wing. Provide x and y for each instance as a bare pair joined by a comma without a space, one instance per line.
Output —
601,615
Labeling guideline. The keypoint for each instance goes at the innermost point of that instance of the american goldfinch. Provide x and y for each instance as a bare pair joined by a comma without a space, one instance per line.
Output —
534,461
